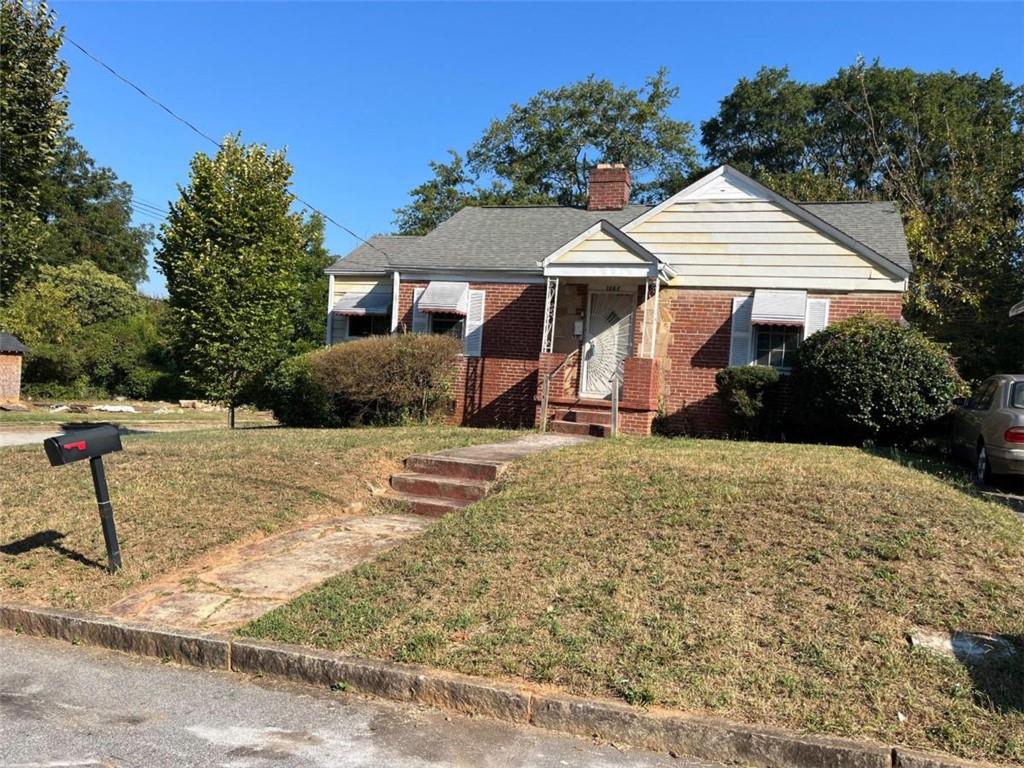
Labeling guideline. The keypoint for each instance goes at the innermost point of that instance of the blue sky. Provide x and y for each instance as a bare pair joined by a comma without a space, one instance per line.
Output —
364,95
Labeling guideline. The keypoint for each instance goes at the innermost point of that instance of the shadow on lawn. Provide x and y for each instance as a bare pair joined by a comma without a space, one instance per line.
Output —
999,684
47,540
1007,491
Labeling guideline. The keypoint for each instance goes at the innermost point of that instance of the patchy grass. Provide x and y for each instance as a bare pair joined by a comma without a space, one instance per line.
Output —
766,583
179,495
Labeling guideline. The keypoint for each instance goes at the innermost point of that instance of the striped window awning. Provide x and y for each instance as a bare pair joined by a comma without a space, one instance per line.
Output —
779,308
449,298
356,304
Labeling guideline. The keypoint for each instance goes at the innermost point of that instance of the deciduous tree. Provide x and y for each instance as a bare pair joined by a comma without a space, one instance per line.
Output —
33,119
232,251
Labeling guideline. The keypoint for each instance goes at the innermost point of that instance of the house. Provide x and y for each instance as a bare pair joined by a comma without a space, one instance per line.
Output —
11,353
647,301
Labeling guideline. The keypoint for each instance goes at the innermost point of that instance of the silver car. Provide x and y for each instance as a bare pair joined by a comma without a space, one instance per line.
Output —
988,427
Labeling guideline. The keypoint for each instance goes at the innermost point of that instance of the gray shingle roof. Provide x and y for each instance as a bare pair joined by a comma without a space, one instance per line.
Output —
517,237
11,345
485,238
877,225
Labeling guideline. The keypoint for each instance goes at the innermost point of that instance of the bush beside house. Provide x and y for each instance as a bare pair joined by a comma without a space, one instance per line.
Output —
751,395
870,378
378,380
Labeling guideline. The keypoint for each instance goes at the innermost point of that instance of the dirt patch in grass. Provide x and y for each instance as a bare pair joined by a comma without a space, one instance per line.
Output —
177,496
766,583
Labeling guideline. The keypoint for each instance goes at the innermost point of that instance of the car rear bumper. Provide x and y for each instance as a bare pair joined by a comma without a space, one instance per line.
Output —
1006,461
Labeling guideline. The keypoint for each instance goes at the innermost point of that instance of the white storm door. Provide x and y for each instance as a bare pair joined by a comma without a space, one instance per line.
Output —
607,341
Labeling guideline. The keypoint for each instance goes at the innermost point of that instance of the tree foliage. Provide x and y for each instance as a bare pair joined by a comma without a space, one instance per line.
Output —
87,212
541,151
232,252
308,323
33,119
947,147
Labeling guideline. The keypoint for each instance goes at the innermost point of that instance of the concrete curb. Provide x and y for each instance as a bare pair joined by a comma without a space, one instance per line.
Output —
699,737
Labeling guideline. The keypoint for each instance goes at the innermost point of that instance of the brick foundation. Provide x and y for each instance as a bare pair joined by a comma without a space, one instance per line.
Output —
10,377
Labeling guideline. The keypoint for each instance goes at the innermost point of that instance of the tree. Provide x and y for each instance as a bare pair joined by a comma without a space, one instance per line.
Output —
232,252
87,212
308,331
33,119
542,151
947,147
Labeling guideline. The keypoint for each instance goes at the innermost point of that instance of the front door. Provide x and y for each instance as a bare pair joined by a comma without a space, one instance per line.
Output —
607,341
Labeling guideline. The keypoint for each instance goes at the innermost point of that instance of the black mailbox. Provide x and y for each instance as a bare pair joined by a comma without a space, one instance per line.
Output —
85,443
92,442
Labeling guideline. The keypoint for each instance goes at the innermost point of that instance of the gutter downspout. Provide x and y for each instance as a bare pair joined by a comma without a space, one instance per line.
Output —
396,282
329,334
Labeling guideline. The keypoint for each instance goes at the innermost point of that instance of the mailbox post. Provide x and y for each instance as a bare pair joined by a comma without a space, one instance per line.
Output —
92,442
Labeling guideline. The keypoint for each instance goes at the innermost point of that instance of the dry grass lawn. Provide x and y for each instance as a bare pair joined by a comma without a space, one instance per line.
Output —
179,495
766,583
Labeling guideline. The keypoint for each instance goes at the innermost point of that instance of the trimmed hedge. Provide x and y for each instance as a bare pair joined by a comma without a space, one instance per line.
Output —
750,393
379,380
870,378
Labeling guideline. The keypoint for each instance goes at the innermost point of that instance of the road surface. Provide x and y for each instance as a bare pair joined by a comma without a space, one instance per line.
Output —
64,705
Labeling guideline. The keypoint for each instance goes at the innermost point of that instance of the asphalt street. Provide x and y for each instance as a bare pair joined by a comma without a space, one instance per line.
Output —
64,705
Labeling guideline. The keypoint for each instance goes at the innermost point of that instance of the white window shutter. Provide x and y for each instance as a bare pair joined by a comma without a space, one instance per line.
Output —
474,341
739,344
817,316
420,321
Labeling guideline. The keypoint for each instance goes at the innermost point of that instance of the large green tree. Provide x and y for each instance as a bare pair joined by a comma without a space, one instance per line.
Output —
232,251
947,147
87,212
308,325
33,120
541,151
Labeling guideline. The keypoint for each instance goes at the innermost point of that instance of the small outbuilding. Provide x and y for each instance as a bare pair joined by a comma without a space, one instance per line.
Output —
11,353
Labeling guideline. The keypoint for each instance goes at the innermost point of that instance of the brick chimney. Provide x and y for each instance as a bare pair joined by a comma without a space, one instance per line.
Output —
608,187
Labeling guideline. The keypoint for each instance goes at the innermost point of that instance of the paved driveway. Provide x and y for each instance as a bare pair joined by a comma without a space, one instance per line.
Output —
9,437
62,705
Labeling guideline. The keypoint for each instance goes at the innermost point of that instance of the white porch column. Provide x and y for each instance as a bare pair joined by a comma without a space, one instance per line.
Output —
550,313
329,335
396,284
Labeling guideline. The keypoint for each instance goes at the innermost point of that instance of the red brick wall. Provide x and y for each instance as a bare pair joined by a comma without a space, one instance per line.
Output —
10,377
499,387
693,345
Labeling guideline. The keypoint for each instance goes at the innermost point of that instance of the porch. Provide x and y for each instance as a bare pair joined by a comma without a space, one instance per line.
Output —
597,373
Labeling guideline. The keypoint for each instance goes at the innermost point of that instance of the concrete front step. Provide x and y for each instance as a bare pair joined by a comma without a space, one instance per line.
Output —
580,428
449,466
428,506
437,487
584,416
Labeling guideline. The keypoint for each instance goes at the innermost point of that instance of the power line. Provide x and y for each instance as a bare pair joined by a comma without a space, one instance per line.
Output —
216,143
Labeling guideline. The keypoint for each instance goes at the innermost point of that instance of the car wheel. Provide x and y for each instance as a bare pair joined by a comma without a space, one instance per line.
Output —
982,470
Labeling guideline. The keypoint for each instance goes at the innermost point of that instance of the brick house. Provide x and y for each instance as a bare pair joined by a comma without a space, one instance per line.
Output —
569,309
11,353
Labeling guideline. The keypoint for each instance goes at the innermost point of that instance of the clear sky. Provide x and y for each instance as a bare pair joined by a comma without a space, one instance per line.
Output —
364,95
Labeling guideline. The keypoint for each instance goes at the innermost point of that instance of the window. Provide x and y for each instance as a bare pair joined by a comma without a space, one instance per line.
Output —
445,324
360,326
776,346
982,398
1017,395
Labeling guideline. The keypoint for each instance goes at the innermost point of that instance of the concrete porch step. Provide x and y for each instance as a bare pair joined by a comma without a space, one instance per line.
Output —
450,466
437,487
428,506
584,416
580,428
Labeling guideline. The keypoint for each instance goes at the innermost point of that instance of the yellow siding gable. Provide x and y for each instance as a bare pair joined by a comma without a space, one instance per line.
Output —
599,248
753,244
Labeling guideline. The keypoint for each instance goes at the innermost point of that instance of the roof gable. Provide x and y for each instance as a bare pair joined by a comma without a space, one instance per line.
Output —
726,184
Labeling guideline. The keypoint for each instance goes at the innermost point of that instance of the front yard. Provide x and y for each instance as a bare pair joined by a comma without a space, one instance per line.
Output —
179,495
772,584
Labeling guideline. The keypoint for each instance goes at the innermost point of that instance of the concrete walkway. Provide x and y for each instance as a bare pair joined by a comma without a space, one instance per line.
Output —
239,583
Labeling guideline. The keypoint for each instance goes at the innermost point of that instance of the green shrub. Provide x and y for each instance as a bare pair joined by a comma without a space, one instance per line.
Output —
750,393
379,380
869,378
